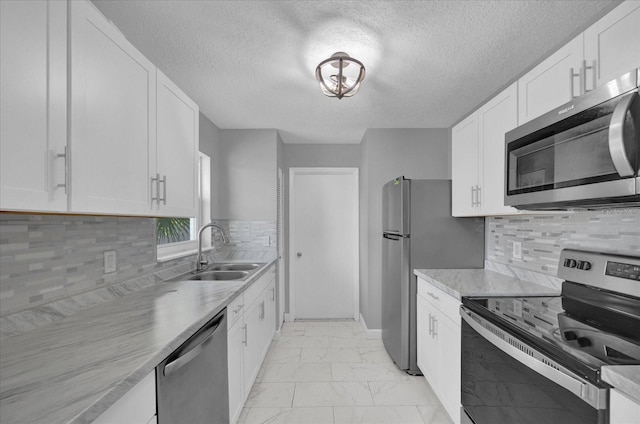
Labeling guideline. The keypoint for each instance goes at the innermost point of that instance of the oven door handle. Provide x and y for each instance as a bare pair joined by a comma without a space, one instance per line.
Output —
584,390
616,136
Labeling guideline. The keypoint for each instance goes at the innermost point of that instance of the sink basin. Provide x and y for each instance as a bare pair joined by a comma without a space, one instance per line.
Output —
219,275
233,267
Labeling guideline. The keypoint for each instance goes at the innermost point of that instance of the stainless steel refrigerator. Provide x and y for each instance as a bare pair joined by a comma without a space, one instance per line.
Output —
419,232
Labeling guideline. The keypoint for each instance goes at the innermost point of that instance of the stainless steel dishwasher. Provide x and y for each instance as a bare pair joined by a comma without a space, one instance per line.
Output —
192,382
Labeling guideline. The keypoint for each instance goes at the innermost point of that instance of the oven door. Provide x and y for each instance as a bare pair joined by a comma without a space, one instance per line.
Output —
506,381
584,156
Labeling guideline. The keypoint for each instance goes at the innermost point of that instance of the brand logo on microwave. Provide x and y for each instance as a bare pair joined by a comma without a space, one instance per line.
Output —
565,110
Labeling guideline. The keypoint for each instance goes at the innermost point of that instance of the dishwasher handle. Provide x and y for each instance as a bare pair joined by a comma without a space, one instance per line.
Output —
193,347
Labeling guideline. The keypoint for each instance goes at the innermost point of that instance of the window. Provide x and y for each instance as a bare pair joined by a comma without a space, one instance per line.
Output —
177,236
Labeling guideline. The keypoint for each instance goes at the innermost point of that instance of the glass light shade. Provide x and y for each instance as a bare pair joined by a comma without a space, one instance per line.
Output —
336,69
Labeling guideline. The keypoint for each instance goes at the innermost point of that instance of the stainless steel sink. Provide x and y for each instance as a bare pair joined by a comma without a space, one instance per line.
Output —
233,267
219,275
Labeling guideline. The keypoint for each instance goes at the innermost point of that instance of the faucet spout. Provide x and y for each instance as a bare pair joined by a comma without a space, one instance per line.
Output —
201,262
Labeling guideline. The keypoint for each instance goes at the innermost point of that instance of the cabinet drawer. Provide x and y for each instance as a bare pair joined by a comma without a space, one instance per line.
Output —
444,302
256,289
235,309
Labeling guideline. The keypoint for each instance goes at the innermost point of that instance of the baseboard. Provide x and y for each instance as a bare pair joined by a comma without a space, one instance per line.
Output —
372,334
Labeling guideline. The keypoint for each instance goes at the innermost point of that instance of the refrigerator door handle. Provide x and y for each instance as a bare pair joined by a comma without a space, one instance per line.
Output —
391,236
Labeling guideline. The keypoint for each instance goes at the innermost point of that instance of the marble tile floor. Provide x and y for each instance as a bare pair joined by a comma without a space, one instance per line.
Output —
330,373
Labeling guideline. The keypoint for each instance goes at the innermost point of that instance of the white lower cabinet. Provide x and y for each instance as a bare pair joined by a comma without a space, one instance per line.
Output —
137,406
622,410
438,342
249,338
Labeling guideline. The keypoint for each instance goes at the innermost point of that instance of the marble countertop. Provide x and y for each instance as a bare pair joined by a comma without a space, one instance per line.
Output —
74,369
625,378
482,282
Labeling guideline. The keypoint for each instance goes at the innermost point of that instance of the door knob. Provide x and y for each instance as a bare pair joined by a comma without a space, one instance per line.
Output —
299,254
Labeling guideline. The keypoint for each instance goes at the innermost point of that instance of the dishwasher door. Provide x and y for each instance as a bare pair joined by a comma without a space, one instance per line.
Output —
192,383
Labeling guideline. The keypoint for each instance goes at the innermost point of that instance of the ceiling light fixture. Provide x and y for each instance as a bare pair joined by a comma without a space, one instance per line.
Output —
342,82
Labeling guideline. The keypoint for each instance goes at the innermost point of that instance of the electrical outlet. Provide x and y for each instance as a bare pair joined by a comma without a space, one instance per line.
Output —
517,250
266,241
109,261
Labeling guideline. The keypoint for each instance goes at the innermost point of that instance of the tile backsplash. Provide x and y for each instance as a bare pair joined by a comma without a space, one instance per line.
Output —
44,258
48,257
544,236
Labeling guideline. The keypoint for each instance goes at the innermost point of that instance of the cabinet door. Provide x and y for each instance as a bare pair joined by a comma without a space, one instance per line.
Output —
448,363
464,166
622,409
112,117
253,345
270,313
426,342
33,105
614,44
550,84
176,150
235,359
496,117
137,406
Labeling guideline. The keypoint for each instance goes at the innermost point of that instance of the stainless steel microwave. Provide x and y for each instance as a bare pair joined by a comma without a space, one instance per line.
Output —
584,154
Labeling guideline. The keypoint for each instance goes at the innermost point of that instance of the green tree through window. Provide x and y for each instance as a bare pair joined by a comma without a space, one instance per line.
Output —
172,230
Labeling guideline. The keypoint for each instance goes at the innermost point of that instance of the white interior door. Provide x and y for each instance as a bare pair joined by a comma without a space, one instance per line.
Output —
324,243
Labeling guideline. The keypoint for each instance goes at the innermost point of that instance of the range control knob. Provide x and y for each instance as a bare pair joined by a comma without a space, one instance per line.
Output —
570,335
570,263
584,342
584,265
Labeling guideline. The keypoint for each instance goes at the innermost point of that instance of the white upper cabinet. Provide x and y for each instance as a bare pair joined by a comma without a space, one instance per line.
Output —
496,118
464,166
112,117
552,83
33,105
478,157
606,50
613,43
175,177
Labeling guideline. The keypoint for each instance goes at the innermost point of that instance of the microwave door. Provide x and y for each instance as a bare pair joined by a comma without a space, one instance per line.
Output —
587,160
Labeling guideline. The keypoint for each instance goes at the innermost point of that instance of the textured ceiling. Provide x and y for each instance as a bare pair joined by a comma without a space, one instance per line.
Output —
250,64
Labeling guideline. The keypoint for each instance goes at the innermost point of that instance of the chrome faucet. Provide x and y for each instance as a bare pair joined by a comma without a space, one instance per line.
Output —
200,261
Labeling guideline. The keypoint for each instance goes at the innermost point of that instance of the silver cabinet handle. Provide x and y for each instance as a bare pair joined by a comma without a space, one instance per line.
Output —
244,342
299,254
262,310
238,309
433,296
572,76
273,294
435,327
584,76
478,198
66,170
430,324
193,349
155,181
616,135
163,181
534,360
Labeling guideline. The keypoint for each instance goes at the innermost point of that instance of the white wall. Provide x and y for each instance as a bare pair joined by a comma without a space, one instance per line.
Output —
386,154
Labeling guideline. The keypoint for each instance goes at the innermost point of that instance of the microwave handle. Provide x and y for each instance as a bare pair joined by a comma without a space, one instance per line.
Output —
616,136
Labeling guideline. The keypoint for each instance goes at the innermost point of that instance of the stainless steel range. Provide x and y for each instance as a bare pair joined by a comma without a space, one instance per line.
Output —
538,359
